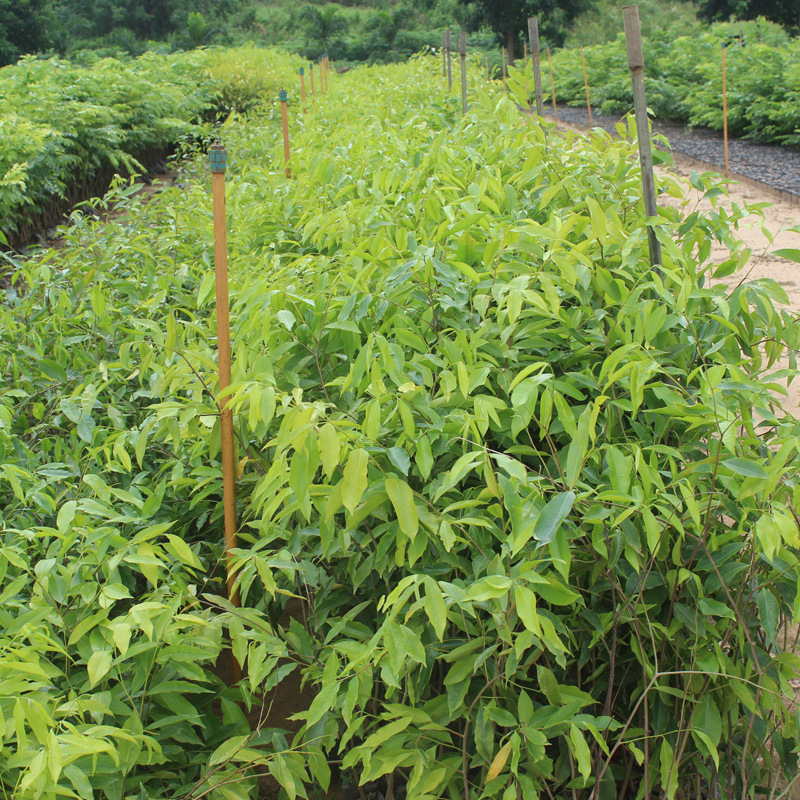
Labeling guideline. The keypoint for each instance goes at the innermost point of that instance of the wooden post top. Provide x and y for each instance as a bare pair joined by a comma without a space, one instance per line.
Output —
533,33
633,36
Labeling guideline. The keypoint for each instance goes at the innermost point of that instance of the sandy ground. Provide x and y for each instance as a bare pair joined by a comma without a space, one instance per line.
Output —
779,219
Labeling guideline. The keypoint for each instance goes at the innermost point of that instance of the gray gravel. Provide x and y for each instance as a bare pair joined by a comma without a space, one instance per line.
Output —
774,165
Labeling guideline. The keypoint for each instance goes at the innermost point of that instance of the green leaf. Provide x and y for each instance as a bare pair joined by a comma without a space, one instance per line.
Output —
98,665
354,481
769,614
65,515
329,448
399,458
553,514
435,607
745,467
402,498
789,253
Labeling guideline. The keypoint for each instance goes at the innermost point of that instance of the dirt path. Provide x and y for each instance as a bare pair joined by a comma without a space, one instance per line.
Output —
782,221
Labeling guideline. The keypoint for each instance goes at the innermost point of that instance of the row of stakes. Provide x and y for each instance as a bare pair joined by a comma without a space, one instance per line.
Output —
218,165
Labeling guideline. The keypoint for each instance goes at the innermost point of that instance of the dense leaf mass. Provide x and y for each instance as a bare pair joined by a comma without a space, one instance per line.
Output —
535,501
683,77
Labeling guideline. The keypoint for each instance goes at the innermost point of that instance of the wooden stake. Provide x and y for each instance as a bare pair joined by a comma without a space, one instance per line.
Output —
633,41
725,109
552,84
303,87
311,78
586,83
505,87
449,61
218,159
285,118
462,49
533,35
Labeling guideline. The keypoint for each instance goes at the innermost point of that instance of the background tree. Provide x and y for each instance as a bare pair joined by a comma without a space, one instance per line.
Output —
322,25
26,26
784,12
508,19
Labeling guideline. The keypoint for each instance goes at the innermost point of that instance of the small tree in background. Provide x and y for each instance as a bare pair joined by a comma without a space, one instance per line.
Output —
508,19
784,12
26,26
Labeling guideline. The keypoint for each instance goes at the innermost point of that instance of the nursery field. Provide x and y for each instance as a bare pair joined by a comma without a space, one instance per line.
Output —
684,81
532,504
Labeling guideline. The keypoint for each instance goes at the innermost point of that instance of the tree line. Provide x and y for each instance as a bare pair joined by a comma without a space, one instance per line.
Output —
61,26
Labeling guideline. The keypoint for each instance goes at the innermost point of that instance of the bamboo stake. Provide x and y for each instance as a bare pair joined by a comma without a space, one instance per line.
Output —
633,40
449,61
462,49
444,54
285,119
505,87
725,109
218,160
533,35
311,78
586,82
552,84
303,87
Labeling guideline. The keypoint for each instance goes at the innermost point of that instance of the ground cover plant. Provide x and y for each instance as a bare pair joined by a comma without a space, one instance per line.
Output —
684,80
66,129
537,502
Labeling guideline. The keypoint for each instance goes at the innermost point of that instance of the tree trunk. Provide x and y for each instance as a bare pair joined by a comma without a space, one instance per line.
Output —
510,45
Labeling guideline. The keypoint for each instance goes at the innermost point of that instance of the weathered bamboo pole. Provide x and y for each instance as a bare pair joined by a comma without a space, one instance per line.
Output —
444,54
449,61
633,41
533,36
218,161
725,109
462,50
586,83
303,87
311,78
285,120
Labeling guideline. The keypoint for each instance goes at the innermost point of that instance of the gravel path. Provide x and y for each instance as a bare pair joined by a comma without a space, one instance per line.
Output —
773,165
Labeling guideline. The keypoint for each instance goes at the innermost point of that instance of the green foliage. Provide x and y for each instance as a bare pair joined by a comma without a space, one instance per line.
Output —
783,12
26,26
684,80
65,128
602,22
536,500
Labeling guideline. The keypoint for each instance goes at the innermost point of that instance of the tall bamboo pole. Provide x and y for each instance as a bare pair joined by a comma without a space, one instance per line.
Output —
633,41
462,51
725,109
586,84
303,87
552,84
285,119
449,60
218,160
311,78
444,54
533,35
